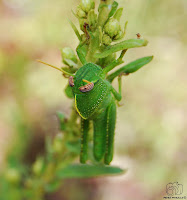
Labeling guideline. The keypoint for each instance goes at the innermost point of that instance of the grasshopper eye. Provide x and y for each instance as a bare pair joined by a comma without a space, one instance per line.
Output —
86,88
71,81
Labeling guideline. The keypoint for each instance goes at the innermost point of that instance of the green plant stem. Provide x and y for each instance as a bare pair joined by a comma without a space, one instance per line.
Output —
59,160
93,47
115,62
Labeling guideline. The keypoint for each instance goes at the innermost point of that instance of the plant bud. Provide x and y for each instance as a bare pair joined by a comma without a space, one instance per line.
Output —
80,13
106,40
13,176
82,23
68,53
112,27
119,35
92,19
38,166
87,5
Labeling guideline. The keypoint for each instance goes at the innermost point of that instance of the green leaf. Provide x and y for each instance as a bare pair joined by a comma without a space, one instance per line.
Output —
69,69
114,8
118,14
75,30
70,63
127,44
102,6
87,171
131,67
81,52
68,92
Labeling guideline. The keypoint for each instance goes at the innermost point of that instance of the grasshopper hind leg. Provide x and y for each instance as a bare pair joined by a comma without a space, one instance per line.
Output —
111,121
100,126
84,140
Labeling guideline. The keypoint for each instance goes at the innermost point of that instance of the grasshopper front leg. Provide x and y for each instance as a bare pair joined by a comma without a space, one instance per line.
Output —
116,94
84,140
111,122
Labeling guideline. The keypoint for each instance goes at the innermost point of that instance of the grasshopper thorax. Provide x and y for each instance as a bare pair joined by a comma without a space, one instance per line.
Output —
90,89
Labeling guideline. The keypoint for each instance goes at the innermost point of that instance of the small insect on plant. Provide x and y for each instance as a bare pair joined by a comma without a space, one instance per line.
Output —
90,80
138,35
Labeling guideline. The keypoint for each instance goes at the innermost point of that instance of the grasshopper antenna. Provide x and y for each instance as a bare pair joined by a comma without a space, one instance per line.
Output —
64,72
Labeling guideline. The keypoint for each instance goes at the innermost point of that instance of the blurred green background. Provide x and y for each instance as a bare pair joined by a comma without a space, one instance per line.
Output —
151,125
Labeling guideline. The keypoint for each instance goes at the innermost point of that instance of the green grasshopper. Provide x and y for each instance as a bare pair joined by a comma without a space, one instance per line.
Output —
95,100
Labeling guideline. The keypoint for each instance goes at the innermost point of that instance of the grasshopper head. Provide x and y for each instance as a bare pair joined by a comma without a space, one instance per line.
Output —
86,78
